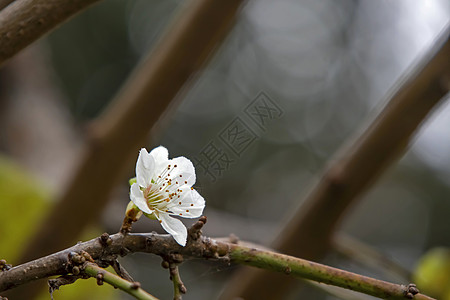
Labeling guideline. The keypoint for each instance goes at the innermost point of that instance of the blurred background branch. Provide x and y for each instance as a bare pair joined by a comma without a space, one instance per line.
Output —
24,21
367,256
4,3
356,166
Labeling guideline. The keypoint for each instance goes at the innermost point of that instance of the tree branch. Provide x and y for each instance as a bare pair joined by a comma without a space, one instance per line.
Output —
5,3
352,171
61,263
24,21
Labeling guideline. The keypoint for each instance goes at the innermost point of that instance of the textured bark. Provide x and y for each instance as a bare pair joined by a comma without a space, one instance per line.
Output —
107,248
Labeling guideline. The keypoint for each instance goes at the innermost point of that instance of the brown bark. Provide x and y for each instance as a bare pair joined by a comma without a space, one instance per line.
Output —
24,21
106,249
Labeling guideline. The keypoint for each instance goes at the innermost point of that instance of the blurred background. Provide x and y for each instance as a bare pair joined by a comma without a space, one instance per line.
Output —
316,69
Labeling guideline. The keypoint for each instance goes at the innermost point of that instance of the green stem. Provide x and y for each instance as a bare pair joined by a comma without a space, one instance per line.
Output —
132,288
300,268
178,286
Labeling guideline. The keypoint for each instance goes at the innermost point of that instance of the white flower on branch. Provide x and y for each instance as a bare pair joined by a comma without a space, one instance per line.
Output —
163,189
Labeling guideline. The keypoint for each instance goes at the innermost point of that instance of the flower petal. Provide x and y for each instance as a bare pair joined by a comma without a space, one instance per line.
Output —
145,168
191,205
138,199
185,168
175,227
161,157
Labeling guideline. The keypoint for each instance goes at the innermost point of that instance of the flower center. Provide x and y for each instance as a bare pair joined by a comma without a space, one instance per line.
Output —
153,195
163,192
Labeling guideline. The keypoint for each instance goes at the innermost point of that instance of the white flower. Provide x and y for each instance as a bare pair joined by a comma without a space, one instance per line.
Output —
163,189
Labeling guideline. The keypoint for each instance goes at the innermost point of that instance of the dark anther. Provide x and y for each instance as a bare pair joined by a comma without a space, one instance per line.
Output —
99,278
135,285
105,240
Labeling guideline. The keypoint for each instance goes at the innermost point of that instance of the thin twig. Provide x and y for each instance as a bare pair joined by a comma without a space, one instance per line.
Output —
132,288
24,21
121,271
55,284
352,171
178,285
61,263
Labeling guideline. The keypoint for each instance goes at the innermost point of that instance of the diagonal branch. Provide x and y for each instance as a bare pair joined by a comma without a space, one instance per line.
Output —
121,271
5,3
62,263
24,21
353,170
367,256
